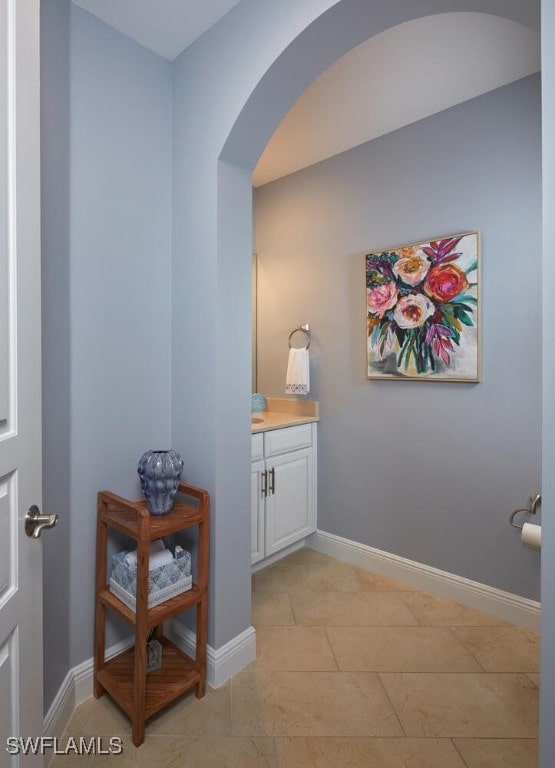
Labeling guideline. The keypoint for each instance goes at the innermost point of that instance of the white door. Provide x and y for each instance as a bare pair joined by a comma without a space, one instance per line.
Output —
20,393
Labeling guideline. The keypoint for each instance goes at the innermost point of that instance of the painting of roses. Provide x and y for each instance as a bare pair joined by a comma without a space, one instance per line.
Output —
423,310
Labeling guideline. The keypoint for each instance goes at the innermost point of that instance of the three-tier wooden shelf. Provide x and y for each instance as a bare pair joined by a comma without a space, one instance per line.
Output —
124,677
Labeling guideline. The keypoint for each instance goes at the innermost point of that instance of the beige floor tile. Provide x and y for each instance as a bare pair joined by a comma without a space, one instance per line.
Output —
430,610
189,716
374,582
296,648
311,704
400,649
210,752
307,556
163,752
367,753
349,576
69,761
498,753
326,575
502,649
235,752
98,717
350,609
333,576
272,609
474,705
279,578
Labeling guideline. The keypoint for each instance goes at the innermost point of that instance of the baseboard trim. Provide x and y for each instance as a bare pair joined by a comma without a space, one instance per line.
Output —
76,688
221,663
61,709
503,605
279,555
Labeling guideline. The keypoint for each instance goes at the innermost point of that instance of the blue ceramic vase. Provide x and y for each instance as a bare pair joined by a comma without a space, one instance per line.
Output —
258,403
160,472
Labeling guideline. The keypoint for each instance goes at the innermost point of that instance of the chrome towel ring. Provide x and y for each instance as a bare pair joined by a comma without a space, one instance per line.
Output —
301,329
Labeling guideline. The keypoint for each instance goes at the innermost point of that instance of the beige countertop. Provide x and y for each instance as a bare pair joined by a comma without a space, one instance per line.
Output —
284,412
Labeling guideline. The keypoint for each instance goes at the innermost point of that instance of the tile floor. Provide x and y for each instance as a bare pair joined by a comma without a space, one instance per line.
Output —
353,670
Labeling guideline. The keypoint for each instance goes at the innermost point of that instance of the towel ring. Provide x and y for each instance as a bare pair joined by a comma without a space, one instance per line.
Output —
301,329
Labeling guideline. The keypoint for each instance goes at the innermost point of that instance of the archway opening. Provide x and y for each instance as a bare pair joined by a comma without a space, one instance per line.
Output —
337,31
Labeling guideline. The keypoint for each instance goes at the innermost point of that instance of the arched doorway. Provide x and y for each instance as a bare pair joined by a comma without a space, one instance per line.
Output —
226,243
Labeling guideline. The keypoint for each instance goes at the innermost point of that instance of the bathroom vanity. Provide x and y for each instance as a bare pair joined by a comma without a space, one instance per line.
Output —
284,470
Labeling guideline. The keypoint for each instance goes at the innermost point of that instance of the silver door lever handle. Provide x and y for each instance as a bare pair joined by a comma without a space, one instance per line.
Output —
35,522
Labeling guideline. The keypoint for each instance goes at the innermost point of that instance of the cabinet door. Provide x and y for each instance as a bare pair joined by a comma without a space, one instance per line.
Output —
289,509
257,512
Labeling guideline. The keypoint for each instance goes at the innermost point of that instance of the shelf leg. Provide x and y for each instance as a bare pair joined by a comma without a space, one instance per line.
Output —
100,618
100,610
200,688
138,732
202,607
141,632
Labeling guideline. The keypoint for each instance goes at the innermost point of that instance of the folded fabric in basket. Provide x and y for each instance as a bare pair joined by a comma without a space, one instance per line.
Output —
163,582
159,558
158,555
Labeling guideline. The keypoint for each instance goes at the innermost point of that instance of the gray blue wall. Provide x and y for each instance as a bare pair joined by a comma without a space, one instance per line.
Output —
428,471
547,688
55,137
106,265
120,182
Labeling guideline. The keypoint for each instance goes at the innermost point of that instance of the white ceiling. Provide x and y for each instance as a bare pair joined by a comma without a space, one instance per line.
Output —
166,27
393,79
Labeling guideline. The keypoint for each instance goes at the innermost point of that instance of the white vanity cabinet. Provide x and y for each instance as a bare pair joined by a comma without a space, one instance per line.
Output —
283,488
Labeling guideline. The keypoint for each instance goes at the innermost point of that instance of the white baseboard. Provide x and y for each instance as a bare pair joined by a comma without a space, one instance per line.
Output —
60,711
76,688
279,555
503,605
221,663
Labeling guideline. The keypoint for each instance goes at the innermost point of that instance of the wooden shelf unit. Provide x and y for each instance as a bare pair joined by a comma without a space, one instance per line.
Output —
124,677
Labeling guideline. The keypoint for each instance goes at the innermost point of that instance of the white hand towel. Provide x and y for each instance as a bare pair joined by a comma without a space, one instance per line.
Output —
159,558
298,372
157,552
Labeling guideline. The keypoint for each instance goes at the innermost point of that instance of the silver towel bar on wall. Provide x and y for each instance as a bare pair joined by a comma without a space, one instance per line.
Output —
535,499
301,329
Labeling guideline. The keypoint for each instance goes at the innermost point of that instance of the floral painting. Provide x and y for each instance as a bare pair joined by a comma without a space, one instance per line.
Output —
423,310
